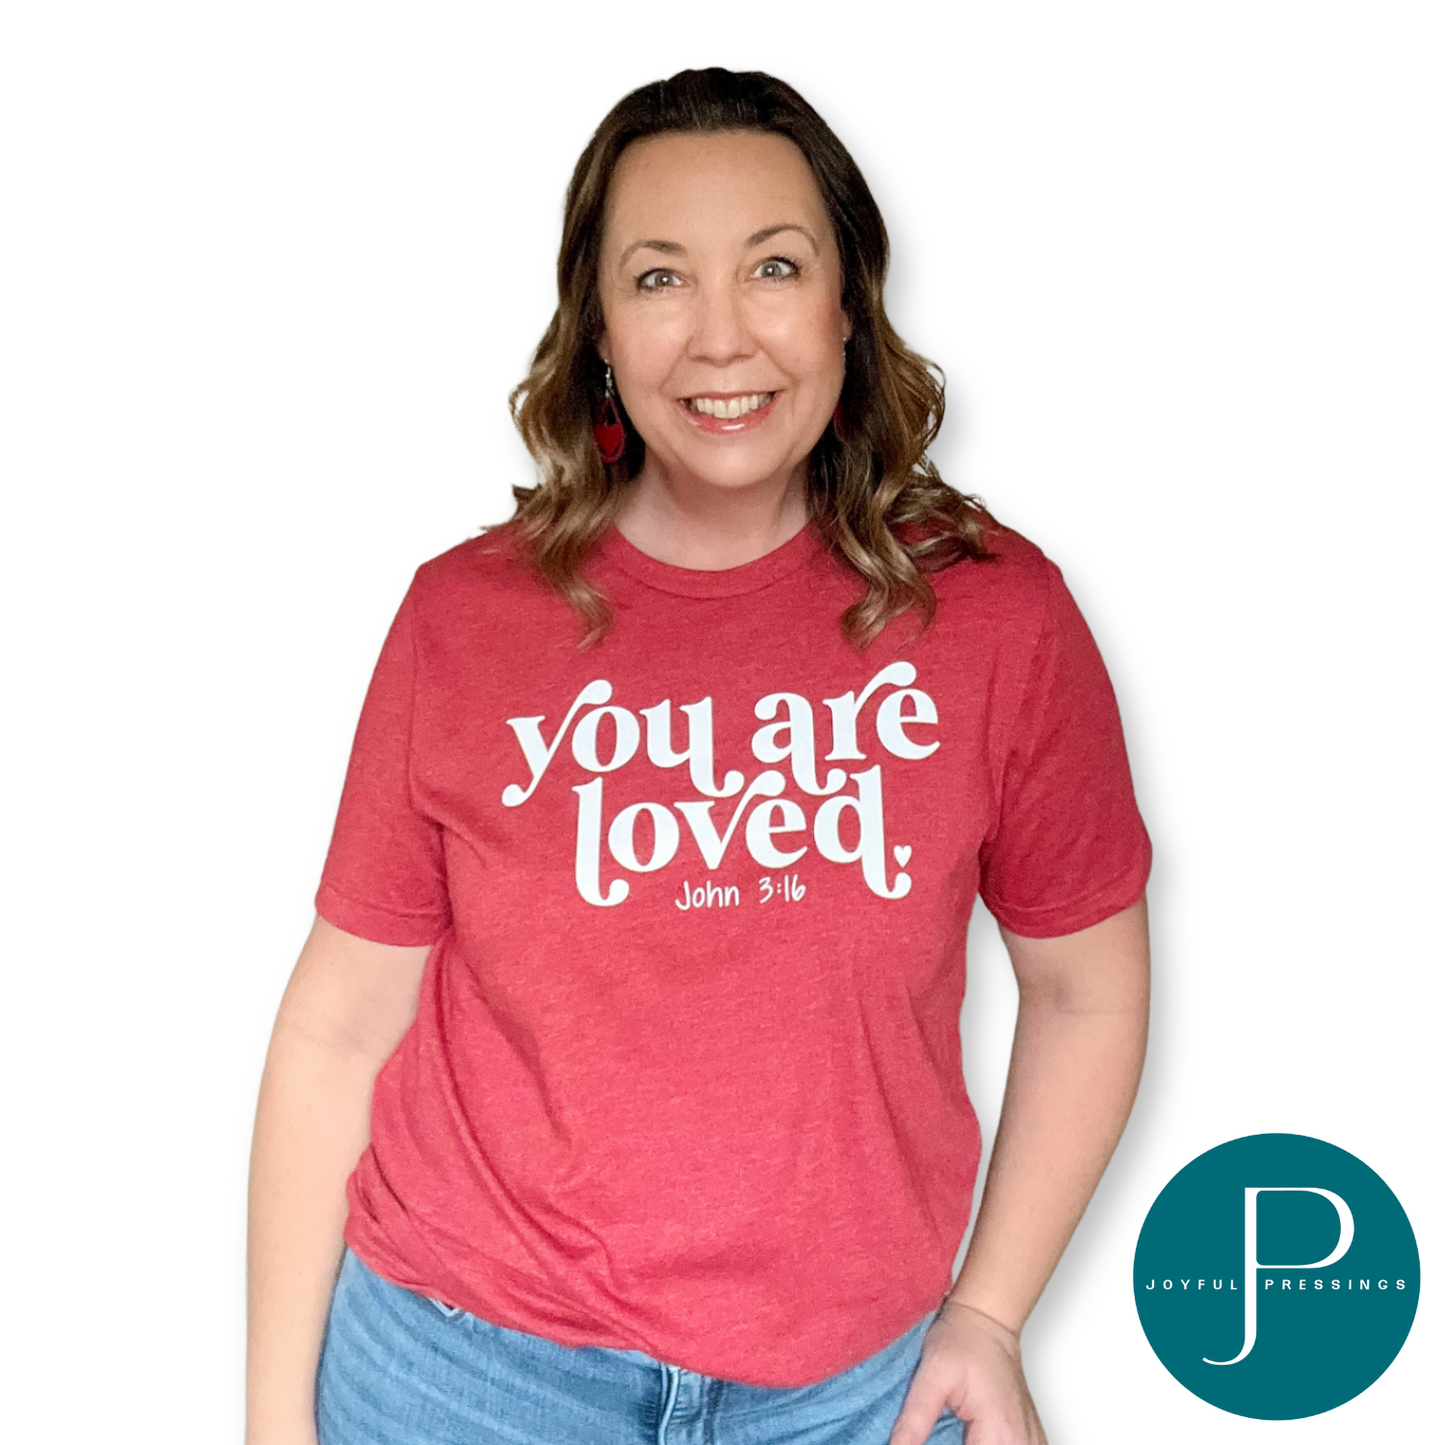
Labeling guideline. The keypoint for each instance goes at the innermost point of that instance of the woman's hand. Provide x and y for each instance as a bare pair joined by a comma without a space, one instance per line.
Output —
970,1364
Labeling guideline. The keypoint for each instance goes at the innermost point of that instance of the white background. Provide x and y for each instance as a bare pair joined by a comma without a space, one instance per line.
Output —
269,271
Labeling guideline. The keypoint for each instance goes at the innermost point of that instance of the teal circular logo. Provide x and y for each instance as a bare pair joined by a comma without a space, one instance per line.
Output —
1276,1276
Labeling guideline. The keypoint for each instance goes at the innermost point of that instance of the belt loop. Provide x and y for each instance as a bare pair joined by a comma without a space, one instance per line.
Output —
671,1374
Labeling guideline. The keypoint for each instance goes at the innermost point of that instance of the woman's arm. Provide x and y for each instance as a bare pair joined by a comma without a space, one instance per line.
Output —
1077,1055
346,1007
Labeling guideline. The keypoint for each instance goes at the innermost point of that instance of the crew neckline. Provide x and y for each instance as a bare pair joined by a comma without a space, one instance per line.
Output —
761,572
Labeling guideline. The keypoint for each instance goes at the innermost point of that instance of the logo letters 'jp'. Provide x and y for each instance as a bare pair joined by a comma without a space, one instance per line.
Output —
1252,1265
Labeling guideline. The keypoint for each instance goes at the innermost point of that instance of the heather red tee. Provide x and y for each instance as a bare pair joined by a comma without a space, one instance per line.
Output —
685,1074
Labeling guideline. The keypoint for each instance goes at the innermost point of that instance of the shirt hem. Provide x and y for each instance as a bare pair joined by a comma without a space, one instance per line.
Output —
361,1234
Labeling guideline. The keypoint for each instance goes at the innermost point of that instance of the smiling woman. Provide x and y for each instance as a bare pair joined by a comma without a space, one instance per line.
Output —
617,1095
729,354
722,250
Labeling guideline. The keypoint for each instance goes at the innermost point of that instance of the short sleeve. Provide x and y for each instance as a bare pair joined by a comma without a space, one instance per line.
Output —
1068,847
385,873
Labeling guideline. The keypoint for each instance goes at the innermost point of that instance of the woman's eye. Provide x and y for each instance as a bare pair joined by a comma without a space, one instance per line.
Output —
776,268
656,280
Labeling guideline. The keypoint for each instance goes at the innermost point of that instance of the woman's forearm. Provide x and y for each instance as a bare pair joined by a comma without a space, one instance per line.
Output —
346,1007
1077,1055
312,1124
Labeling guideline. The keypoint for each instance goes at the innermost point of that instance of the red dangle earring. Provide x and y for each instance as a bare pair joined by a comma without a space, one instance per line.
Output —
609,433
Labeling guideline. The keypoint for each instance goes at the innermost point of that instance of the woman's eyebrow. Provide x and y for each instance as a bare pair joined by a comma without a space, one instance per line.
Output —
758,237
671,248
668,248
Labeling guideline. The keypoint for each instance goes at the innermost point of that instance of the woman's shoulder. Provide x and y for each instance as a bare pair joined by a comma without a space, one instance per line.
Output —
1015,574
1016,553
485,591
494,561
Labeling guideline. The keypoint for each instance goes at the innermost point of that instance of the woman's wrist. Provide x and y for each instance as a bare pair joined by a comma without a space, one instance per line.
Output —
953,1301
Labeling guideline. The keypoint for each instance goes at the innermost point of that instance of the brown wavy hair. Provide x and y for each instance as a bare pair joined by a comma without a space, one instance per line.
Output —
874,495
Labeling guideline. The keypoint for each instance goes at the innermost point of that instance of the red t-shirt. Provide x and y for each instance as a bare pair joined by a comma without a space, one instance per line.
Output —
685,1074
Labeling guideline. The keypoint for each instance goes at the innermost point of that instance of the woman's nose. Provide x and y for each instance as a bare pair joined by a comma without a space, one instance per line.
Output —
720,331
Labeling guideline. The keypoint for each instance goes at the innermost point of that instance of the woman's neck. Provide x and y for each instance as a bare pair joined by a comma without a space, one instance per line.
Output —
707,527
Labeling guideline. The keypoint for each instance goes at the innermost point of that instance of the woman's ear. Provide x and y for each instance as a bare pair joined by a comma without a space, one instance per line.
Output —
604,348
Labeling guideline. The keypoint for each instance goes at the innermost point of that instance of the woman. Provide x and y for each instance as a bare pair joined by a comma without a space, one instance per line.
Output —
646,906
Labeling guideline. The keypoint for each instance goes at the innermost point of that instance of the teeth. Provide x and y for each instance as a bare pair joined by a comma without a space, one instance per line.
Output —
735,406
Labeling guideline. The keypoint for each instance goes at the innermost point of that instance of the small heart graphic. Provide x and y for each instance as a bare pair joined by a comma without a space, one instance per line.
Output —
902,852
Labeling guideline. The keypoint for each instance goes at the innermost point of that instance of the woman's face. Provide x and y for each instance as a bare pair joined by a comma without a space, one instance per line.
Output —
721,296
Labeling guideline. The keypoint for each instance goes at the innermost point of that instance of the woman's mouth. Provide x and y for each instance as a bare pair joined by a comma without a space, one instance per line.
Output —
735,413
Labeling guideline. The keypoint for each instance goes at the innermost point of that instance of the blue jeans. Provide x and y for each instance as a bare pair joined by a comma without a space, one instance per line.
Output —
398,1368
